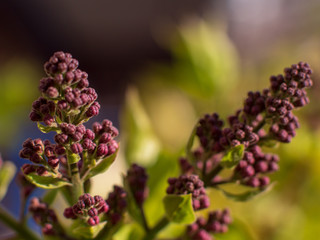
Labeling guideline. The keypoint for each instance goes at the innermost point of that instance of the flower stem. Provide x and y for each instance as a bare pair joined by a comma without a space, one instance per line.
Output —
156,229
77,186
22,230
144,219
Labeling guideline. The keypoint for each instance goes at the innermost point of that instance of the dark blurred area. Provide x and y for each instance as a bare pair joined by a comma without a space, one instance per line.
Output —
185,57
111,39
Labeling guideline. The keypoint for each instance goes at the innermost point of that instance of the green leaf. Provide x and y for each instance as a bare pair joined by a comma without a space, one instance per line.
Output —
83,230
179,208
245,196
7,171
102,165
49,196
233,156
46,182
141,144
46,129
73,158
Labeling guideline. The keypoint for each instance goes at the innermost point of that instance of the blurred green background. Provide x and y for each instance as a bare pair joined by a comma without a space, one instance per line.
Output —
158,66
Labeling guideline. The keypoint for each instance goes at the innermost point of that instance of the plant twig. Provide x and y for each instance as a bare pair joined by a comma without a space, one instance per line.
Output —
22,230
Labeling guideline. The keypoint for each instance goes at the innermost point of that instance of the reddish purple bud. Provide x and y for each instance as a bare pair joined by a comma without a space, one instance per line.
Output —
105,137
97,127
48,229
76,148
35,117
52,92
89,134
93,212
35,158
93,221
253,182
28,168
264,181
102,150
93,110
60,150
53,162
61,138
41,171
68,213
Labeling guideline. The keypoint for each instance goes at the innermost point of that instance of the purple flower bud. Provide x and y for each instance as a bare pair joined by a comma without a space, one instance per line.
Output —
53,162
105,137
61,138
112,147
97,127
261,166
41,171
264,181
28,168
102,150
35,158
68,213
202,235
52,92
253,182
76,148
89,134
60,150
35,117
93,212
93,221
48,229
63,105
93,110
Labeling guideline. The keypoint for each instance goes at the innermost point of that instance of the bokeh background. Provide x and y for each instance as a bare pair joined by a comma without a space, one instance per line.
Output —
159,65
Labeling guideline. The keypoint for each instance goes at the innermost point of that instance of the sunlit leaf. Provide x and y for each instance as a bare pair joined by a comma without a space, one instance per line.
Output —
46,182
7,171
73,158
83,230
245,196
46,129
102,165
141,144
179,208
233,156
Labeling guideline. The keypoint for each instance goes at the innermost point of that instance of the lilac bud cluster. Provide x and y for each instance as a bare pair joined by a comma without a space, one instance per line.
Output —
255,164
265,116
44,216
202,229
137,182
43,110
288,93
292,85
190,184
117,201
87,208
65,93
209,132
44,155
239,133
101,140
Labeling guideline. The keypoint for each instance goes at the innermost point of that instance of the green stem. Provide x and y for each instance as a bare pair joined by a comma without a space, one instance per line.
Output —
77,186
144,219
23,231
156,229
211,175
